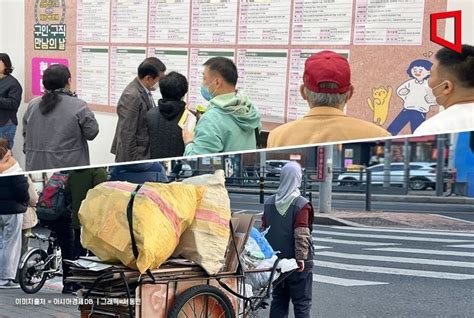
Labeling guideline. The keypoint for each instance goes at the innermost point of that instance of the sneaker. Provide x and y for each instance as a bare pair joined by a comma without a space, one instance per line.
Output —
9,285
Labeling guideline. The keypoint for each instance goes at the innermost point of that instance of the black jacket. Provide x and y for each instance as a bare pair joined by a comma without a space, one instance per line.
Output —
166,139
14,195
10,99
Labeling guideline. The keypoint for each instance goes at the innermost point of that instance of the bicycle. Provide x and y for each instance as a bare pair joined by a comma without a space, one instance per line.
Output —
39,265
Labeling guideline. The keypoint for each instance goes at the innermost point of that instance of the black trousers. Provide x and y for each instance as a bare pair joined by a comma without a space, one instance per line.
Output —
78,249
299,288
65,239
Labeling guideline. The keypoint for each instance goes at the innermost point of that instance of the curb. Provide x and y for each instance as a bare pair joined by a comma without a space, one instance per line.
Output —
334,221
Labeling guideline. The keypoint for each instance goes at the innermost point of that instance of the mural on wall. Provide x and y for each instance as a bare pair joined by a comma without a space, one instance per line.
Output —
380,103
416,95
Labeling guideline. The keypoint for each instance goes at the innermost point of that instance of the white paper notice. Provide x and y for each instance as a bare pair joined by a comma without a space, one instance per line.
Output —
123,69
169,21
198,57
175,60
129,21
93,20
264,21
262,75
297,106
394,22
214,21
322,22
93,74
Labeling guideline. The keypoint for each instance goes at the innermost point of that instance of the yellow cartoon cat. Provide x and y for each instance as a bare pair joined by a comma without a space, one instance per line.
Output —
379,106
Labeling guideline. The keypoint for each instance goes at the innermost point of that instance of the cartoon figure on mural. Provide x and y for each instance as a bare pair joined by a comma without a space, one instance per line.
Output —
416,95
380,104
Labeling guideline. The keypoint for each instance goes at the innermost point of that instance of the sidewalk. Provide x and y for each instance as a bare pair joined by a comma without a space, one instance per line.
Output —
48,302
394,220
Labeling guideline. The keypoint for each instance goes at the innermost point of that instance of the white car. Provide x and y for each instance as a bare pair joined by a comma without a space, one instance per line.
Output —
186,171
273,167
422,175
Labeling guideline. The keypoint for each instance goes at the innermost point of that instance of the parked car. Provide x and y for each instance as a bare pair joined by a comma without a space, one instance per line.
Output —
273,167
186,171
422,175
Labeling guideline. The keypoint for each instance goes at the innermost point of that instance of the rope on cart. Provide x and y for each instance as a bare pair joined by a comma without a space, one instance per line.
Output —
129,296
130,227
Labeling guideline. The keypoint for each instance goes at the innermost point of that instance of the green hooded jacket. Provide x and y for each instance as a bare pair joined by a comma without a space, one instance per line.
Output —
228,125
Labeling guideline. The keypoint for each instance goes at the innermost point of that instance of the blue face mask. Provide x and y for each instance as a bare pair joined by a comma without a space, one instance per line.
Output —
205,93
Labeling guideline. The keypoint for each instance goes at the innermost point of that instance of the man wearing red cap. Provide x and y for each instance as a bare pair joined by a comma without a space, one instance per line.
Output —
327,88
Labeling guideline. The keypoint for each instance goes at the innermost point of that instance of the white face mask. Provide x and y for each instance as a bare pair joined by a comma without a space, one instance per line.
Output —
430,94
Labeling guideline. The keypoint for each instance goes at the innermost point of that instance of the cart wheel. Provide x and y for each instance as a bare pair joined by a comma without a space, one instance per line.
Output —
202,301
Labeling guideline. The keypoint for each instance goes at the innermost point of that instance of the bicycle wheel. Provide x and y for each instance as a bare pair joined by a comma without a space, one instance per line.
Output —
32,279
202,301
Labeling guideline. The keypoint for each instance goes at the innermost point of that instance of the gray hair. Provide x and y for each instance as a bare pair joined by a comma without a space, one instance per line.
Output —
326,99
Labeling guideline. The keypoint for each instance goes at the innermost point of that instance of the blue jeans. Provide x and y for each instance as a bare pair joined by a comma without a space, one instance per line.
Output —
414,117
7,132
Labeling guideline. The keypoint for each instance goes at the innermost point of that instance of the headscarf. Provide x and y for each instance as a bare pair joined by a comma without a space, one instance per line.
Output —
288,190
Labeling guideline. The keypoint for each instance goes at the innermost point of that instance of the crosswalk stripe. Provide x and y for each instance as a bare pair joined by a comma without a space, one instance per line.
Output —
393,271
320,247
405,260
366,229
421,251
393,237
331,240
343,281
462,245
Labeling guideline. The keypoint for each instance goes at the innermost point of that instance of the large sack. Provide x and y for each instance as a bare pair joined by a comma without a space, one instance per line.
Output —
205,241
161,213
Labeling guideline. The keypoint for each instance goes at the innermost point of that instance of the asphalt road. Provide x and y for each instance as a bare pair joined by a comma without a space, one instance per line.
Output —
461,211
359,272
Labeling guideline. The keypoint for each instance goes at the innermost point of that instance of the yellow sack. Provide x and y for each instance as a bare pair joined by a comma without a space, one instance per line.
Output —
205,241
161,213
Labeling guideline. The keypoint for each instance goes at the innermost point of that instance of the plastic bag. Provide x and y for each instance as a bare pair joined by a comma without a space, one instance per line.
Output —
262,279
161,213
252,249
205,241
262,242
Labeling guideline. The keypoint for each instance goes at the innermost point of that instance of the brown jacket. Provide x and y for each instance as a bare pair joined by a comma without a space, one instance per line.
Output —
323,124
131,141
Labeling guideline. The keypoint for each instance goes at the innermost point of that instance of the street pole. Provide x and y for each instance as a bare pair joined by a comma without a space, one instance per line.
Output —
387,160
406,166
325,187
263,159
440,144
452,148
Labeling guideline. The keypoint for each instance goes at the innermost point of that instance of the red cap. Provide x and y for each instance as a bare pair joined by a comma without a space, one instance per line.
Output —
327,66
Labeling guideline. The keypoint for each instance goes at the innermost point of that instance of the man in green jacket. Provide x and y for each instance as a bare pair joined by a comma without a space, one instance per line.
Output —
80,181
231,122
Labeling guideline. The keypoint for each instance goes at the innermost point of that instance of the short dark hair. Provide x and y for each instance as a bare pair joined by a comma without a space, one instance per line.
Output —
7,62
173,86
225,67
151,66
460,65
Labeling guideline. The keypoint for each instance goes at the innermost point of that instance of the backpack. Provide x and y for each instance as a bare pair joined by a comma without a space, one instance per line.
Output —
52,201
